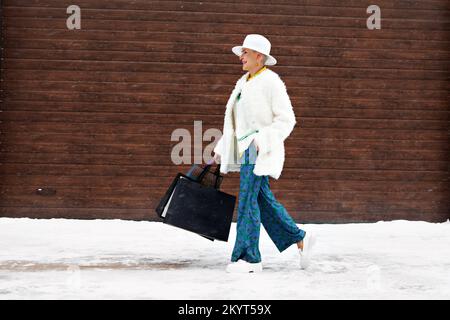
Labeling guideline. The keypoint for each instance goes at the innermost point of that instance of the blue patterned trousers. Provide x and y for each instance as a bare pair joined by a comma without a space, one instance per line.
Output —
256,205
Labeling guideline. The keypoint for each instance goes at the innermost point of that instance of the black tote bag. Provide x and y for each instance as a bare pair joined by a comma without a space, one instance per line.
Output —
196,173
199,208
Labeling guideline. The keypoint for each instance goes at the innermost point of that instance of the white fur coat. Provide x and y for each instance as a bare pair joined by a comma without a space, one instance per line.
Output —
269,110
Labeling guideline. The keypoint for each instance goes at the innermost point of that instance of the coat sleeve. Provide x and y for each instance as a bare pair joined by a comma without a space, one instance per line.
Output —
218,147
283,119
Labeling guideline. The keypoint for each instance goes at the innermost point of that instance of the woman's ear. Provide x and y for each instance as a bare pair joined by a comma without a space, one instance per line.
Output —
260,58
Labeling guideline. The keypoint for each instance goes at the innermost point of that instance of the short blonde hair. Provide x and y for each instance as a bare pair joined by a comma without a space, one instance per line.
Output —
264,59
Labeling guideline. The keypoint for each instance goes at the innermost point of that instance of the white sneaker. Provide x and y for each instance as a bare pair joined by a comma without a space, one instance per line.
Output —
242,266
305,255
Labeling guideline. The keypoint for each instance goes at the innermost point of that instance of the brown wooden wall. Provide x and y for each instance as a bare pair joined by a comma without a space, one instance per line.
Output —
89,113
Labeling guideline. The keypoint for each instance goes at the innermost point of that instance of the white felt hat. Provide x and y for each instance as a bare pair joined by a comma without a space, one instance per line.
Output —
258,43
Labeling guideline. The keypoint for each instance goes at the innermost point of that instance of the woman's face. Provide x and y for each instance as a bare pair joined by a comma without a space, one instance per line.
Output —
249,59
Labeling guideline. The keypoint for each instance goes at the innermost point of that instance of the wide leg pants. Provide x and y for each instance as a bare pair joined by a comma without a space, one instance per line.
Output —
256,205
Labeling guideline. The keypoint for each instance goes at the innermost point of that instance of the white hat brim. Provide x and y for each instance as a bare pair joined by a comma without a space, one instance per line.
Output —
237,50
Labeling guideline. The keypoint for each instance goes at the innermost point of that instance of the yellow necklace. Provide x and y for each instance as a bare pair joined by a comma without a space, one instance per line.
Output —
258,72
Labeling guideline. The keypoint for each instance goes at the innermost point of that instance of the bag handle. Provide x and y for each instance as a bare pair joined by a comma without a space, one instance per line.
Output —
206,169
210,162
217,174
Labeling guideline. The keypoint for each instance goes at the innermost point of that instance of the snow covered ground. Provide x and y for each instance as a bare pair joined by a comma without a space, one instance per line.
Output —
115,259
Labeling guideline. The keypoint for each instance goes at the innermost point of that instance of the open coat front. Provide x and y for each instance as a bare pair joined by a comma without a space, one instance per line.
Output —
268,109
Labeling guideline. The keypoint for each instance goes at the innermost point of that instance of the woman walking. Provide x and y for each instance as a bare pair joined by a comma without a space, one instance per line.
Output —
258,118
